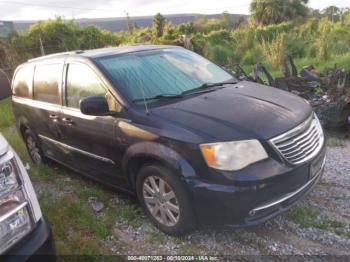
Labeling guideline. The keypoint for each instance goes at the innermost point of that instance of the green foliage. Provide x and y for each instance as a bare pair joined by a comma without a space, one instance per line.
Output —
223,39
6,115
187,28
274,51
253,56
91,37
158,25
56,35
220,55
265,12
269,32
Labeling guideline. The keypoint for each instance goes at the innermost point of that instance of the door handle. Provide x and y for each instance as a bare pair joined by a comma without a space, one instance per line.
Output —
68,121
54,117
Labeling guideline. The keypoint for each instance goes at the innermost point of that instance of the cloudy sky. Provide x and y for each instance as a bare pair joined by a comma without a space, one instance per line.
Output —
43,9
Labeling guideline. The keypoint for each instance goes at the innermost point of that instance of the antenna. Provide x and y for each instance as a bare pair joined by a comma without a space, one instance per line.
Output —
144,99
42,49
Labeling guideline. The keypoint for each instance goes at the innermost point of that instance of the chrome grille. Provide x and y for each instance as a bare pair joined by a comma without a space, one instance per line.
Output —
302,143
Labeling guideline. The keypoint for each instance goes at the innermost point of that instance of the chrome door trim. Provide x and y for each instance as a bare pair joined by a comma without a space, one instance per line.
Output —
107,160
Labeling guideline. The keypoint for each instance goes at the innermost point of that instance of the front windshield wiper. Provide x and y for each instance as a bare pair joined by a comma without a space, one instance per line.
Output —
207,87
163,96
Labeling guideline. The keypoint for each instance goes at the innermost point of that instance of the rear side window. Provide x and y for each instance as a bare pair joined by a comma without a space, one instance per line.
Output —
22,84
46,83
82,82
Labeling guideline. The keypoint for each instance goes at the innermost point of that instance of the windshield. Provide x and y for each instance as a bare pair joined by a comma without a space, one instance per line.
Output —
144,75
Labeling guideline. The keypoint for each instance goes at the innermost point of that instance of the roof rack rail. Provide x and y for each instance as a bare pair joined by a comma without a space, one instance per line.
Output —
56,54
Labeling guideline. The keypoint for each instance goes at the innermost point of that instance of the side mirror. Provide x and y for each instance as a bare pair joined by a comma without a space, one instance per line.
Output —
94,106
5,87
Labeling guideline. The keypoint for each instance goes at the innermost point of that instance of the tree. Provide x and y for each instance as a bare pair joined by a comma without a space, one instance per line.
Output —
130,24
158,24
333,13
266,12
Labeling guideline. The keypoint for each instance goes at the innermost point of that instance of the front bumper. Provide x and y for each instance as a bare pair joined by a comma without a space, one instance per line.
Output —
37,243
253,204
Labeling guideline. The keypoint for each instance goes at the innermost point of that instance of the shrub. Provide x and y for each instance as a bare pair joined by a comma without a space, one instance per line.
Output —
219,38
251,57
220,55
271,31
296,46
198,43
274,50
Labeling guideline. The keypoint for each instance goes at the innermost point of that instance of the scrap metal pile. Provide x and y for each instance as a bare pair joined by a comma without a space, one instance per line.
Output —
328,91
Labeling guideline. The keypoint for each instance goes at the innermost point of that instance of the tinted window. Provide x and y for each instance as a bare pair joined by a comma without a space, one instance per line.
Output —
23,82
46,83
82,82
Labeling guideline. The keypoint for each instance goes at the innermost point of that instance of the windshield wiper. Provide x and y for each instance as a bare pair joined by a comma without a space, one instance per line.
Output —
163,96
207,87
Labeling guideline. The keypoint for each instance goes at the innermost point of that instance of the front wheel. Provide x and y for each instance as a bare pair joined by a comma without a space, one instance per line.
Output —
165,200
33,147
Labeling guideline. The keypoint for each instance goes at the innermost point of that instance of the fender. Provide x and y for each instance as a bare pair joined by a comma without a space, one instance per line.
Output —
158,152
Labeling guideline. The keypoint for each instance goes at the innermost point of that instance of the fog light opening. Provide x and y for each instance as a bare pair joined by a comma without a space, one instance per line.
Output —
252,213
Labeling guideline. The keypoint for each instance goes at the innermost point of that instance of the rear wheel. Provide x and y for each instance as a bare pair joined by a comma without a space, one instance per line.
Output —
165,200
33,147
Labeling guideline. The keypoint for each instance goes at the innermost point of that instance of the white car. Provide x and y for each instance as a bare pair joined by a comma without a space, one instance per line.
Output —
23,229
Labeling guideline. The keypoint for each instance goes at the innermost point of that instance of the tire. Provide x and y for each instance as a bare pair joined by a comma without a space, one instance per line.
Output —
33,147
177,223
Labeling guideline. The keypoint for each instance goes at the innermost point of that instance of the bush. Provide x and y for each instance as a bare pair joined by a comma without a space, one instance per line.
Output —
295,46
251,57
198,43
271,31
274,51
220,55
221,37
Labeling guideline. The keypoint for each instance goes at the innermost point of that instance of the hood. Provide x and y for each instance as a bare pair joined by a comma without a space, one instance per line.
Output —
242,111
4,147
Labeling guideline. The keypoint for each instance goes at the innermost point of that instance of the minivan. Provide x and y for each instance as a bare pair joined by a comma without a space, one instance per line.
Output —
194,144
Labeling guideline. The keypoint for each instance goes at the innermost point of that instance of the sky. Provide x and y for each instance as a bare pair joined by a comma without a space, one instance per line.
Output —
44,9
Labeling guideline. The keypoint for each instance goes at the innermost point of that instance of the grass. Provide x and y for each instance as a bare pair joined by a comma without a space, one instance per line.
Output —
310,217
6,117
334,139
342,61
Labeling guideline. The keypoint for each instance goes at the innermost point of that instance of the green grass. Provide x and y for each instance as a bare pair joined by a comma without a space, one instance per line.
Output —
6,115
335,139
310,217
342,61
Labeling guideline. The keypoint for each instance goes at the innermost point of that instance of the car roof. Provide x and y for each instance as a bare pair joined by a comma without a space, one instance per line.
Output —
103,52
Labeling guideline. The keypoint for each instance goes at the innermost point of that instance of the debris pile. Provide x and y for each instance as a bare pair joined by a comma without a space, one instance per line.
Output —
328,92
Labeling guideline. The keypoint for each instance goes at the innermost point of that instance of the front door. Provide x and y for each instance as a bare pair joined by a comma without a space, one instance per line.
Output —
91,140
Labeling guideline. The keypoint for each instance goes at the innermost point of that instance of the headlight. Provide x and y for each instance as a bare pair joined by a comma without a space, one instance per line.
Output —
8,178
15,219
234,155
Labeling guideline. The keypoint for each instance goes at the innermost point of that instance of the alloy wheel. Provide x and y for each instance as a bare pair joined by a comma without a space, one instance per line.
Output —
161,201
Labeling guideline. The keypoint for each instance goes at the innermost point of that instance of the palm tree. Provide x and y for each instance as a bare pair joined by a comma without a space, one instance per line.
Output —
266,12
159,24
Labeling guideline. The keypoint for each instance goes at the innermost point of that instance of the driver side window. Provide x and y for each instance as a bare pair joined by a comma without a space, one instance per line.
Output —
82,82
